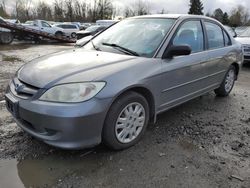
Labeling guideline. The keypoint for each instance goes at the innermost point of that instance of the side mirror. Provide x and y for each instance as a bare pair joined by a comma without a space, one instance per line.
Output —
179,50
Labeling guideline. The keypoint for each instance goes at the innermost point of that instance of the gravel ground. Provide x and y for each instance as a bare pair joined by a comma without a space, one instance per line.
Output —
202,143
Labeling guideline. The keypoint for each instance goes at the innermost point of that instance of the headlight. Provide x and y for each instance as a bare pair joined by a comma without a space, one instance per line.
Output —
70,93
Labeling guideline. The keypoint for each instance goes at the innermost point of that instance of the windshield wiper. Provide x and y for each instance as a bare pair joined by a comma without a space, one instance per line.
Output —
94,46
123,49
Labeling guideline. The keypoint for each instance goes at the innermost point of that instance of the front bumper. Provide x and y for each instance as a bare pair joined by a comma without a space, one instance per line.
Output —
68,126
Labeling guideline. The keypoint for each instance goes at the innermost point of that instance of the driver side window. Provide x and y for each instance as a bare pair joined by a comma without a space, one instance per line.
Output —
190,33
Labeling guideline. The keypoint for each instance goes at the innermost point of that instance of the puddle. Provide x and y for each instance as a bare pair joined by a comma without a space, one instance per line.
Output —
8,174
49,171
42,173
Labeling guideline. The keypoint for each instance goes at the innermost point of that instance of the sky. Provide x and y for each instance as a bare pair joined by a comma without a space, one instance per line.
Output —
170,6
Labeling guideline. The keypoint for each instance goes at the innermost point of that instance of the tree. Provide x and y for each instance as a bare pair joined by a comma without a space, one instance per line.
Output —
225,19
140,7
239,16
58,11
3,11
208,14
43,11
218,15
105,9
23,10
196,7
69,14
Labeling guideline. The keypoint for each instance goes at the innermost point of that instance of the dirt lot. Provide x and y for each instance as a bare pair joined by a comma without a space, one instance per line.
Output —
202,143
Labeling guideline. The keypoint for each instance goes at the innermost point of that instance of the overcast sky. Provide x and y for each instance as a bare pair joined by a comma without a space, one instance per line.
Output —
171,6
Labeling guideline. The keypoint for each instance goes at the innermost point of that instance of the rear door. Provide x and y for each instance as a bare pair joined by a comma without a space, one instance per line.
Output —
182,76
220,53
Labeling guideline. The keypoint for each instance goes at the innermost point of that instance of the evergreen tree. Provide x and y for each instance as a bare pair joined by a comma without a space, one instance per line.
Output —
218,15
196,7
225,19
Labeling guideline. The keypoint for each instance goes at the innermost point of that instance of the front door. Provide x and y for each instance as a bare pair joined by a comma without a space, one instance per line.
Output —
182,77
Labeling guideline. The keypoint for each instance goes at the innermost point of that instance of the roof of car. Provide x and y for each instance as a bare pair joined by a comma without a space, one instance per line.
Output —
174,16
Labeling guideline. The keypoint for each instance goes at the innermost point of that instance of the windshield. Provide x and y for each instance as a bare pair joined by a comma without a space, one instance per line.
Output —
141,36
245,33
93,28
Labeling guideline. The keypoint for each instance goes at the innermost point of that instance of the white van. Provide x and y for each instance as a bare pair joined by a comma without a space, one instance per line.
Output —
106,23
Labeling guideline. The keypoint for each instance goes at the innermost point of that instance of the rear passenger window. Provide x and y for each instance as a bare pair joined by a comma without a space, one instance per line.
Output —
190,33
227,39
215,35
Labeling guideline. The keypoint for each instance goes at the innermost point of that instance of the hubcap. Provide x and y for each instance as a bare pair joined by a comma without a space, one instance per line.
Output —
130,122
230,78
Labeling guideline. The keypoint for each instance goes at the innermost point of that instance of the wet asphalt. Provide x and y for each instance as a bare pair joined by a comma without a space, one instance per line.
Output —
202,143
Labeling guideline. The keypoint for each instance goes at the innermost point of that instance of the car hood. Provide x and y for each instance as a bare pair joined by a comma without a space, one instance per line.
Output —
57,68
243,40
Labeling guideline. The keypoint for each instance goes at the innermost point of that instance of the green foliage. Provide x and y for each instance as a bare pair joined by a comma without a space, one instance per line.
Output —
196,7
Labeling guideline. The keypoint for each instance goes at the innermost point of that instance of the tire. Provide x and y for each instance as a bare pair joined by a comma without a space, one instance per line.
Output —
116,134
59,34
6,37
227,83
73,35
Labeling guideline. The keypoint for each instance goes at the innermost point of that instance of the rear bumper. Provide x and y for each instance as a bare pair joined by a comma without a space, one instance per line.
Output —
68,126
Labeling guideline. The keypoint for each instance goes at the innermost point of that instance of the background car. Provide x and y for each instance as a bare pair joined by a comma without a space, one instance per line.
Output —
240,29
92,30
42,25
231,31
70,30
244,39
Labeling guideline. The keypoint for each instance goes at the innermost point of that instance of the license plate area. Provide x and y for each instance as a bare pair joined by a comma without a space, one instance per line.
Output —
12,105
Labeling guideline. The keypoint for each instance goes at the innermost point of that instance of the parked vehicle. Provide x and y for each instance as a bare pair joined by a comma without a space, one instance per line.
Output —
92,30
108,90
106,23
231,31
70,30
244,39
44,26
84,26
6,35
240,29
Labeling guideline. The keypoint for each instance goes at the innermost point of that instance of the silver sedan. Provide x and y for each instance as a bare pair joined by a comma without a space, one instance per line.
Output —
121,79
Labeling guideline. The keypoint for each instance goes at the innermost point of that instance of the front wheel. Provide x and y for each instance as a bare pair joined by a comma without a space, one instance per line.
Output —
228,83
126,121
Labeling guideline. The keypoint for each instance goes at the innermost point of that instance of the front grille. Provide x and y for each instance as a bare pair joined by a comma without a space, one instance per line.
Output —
22,89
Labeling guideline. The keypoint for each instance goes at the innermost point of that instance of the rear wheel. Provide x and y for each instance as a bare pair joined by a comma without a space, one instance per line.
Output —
228,83
126,121
6,37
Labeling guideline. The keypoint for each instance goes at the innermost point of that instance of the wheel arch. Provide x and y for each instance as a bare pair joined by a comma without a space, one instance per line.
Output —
146,93
237,68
